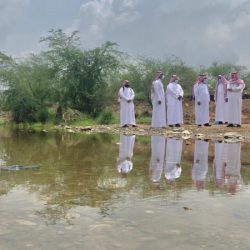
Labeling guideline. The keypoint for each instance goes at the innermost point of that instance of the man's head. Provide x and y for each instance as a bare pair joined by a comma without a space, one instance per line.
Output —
126,83
174,78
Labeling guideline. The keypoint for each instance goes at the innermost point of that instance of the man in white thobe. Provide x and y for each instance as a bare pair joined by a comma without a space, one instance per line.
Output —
157,157
202,99
219,163
221,100
235,88
127,109
172,168
158,102
233,178
126,147
200,165
174,96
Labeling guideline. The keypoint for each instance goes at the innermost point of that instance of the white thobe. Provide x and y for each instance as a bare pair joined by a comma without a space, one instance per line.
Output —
234,102
174,105
126,148
200,166
157,157
159,110
127,109
201,95
172,168
220,103
233,161
219,162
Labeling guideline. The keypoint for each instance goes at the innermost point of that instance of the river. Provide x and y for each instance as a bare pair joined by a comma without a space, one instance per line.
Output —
103,191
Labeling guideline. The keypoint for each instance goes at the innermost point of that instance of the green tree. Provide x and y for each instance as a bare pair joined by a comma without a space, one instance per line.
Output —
79,76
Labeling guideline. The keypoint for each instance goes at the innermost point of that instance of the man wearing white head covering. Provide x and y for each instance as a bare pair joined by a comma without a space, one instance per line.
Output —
235,88
172,167
157,157
158,102
221,100
233,165
124,163
202,99
174,96
200,165
127,112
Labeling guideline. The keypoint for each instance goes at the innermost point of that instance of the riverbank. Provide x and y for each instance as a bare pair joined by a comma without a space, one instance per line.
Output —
188,130
215,132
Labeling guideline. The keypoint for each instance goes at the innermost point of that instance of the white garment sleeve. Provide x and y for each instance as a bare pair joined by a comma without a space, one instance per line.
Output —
157,90
121,94
132,94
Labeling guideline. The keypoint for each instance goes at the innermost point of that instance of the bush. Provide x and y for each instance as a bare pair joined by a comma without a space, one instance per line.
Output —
106,117
42,115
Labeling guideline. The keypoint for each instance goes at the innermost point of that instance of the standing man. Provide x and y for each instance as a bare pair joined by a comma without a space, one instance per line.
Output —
202,99
127,110
174,96
221,101
235,88
158,102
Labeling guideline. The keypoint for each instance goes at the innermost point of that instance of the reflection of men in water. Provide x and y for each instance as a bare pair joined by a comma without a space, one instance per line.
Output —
233,164
200,165
219,163
125,164
157,157
172,167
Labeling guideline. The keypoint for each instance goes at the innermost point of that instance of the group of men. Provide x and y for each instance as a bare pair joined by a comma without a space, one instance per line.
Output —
167,105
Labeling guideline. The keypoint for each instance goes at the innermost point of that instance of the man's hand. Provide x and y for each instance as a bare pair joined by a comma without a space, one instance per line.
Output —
199,103
128,101
226,100
159,102
179,97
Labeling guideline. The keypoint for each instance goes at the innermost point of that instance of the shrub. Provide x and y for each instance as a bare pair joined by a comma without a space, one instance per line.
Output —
106,117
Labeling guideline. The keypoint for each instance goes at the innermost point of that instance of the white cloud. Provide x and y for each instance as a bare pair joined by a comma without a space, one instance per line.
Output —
199,32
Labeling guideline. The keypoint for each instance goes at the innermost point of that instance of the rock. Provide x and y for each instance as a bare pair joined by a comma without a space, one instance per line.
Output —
19,167
232,137
199,135
87,128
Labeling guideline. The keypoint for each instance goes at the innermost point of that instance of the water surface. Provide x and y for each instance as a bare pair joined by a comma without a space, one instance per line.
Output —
122,192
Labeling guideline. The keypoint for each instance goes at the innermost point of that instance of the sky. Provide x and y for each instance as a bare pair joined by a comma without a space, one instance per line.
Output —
199,32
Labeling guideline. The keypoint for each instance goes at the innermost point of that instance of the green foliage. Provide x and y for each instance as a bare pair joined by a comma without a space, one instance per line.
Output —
66,77
106,117
42,115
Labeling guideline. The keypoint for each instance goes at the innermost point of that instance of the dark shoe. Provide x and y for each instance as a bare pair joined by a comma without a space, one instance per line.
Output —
177,125
238,125
170,126
199,125
125,126
134,126
230,125
226,122
207,125
220,122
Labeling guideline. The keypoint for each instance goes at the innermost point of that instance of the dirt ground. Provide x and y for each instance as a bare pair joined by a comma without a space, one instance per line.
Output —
188,110
213,132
